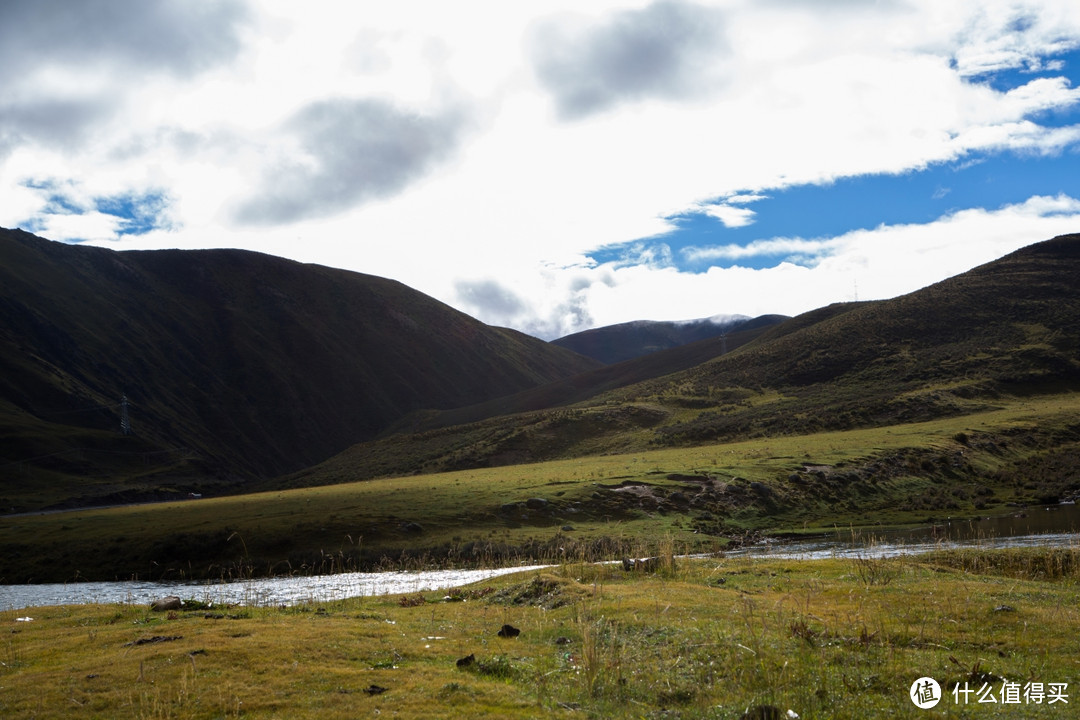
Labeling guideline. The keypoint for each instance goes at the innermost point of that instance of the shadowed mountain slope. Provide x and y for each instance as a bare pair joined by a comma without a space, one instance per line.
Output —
236,364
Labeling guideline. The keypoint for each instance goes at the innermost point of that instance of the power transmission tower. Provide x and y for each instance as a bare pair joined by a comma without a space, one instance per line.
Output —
125,420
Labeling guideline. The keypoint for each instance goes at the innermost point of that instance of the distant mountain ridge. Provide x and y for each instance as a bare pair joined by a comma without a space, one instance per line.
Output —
235,364
1005,328
625,341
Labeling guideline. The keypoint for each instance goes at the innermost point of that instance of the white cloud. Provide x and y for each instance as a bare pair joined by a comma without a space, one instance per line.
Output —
669,49
874,264
729,215
449,145
759,248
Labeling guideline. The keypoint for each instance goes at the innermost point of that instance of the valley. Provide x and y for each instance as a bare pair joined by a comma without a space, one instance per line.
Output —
958,400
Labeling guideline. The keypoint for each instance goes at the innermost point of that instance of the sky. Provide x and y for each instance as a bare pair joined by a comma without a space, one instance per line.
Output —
554,166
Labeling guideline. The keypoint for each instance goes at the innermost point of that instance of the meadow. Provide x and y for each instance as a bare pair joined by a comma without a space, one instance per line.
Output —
723,637
704,498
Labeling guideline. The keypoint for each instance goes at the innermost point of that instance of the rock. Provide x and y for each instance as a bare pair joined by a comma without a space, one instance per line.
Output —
412,528
562,640
536,503
509,631
1004,608
649,564
508,508
567,528
375,690
466,661
170,602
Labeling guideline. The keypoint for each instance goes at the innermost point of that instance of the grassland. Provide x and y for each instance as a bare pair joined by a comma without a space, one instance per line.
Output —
713,638
703,498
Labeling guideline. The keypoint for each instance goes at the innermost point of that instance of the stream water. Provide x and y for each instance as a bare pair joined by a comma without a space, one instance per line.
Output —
1055,525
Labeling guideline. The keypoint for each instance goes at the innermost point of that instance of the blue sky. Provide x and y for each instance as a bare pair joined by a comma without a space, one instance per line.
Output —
983,180
988,180
558,165
126,214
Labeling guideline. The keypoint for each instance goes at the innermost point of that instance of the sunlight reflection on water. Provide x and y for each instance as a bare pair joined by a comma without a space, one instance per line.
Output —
1052,526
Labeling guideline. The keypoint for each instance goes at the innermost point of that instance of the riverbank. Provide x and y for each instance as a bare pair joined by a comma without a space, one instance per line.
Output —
703,498
706,638
1046,527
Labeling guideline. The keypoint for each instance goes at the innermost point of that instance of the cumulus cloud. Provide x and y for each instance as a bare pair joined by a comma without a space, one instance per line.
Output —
881,263
490,300
1005,36
668,50
181,36
730,215
64,66
590,126
54,122
350,151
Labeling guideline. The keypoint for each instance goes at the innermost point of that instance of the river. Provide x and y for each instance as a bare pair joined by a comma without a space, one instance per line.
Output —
1055,525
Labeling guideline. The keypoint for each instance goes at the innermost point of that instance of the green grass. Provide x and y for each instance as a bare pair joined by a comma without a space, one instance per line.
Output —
961,466
697,639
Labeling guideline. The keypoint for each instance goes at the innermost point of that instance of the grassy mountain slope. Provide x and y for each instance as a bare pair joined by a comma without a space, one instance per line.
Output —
1002,328
976,415
236,364
589,384
625,341
1006,328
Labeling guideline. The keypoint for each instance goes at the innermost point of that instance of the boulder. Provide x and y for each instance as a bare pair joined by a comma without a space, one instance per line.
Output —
170,602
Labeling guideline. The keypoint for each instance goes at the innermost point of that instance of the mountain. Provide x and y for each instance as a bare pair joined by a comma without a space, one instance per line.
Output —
584,386
614,343
1005,328
234,365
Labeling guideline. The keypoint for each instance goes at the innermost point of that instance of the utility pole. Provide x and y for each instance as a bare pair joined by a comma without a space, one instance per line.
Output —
125,420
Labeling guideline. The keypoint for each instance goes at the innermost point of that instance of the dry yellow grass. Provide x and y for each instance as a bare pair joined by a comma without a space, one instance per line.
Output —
697,639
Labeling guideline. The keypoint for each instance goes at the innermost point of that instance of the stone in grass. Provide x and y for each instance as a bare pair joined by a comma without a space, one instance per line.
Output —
467,661
170,602
509,631
375,690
